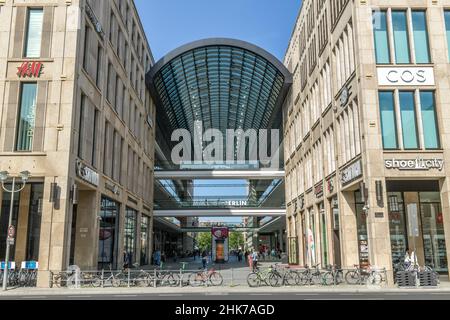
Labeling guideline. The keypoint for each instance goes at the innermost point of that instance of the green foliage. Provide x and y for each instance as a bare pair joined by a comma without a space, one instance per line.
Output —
236,240
204,240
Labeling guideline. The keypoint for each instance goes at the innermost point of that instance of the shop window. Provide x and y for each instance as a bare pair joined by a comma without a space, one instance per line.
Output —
4,221
388,122
145,227
129,236
363,239
34,33
109,226
27,117
34,222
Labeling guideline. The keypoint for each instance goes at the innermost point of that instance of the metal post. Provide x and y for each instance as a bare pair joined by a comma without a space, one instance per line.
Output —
103,278
232,277
181,278
128,277
11,209
154,278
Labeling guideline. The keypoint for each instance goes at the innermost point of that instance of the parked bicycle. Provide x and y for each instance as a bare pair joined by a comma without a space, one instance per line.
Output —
205,277
311,276
367,275
283,276
260,277
334,276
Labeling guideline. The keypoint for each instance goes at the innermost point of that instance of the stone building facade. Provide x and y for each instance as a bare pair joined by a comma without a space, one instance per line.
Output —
367,141
76,113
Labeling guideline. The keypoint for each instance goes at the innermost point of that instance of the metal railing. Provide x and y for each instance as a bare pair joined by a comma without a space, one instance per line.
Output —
271,276
20,278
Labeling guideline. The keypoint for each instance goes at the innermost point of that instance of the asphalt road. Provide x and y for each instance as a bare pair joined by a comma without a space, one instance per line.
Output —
260,296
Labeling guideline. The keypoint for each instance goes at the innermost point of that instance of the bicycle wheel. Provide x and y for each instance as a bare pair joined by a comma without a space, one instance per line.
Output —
317,279
328,279
215,279
169,280
195,279
377,278
253,280
275,280
352,277
117,281
96,282
290,278
305,278
143,280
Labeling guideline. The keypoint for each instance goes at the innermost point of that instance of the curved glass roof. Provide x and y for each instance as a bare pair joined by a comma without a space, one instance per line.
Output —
226,84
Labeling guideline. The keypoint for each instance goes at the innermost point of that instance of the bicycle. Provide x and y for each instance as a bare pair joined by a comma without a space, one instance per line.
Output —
334,276
280,278
116,280
258,277
205,277
311,276
363,275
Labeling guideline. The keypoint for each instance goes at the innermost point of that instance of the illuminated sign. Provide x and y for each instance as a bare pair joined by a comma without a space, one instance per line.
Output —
415,164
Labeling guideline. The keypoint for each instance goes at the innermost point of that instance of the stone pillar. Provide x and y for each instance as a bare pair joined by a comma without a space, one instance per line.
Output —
54,243
87,230
378,231
349,231
138,238
22,225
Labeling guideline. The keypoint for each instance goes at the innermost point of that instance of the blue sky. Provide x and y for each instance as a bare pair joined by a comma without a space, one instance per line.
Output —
172,23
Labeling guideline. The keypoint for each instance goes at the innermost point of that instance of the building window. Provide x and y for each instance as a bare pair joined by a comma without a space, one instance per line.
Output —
400,31
421,48
381,38
388,123
429,120
407,27
27,117
447,29
408,109
34,33
409,122
145,228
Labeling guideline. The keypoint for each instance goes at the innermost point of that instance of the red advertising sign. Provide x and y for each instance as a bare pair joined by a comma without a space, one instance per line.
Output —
220,233
30,69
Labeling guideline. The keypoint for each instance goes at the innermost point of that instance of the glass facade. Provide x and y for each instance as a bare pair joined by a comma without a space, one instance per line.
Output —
129,236
388,122
145,229
401,42
323,231
420,34
34,33
429,120
109,229
27,117
4,221
408,117
363,239
381,37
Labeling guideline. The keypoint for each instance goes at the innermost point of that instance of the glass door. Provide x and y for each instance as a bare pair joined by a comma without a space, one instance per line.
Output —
435,251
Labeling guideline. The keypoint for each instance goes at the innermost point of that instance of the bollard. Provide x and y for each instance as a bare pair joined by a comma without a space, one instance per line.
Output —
181,278
154,278
102,279
232,277
128,277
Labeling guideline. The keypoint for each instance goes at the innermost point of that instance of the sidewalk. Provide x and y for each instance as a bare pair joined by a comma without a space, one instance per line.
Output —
444,287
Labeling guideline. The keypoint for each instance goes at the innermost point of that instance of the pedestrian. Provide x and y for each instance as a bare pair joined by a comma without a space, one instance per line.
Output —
255,261
204,259
246,257
126,260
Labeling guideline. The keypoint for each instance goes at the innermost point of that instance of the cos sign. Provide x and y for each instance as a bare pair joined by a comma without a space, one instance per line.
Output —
406,76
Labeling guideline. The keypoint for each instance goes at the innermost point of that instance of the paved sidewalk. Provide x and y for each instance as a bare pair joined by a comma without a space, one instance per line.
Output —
445,288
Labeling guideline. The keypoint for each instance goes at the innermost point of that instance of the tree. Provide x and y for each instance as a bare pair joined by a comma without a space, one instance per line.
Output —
236,240
204,240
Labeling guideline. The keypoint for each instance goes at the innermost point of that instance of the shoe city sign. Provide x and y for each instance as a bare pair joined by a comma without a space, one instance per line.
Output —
418,164
405,76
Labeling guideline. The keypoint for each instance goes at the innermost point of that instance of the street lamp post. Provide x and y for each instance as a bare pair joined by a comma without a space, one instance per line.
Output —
4,176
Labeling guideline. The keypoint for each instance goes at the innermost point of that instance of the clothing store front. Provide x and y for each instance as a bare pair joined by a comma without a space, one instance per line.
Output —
416,222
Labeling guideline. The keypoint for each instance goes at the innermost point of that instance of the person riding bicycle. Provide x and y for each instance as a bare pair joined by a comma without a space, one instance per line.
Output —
255,260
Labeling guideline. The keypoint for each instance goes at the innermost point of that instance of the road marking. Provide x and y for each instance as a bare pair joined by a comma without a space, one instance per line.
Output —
31,298
307,294
170,295
261,294
125,296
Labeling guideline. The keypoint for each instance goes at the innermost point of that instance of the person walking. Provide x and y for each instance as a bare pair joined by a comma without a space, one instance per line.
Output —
204,259
255,261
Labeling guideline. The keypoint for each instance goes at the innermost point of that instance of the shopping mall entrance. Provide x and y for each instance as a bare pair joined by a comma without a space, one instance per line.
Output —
414,204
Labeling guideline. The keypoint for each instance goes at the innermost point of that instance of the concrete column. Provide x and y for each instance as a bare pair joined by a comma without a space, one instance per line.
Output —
54,245
349,231
22,225
87,230
378,231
